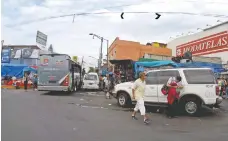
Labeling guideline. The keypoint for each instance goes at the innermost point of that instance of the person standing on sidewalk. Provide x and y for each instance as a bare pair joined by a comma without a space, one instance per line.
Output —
25,79
35,81
138,91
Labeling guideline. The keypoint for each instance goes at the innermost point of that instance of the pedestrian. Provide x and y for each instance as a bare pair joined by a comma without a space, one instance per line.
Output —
83,72
25,79
111,85
35,81
138,92
226,88
174,88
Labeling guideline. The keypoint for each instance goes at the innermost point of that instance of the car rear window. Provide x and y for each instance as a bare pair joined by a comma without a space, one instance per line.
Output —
200,76
91,77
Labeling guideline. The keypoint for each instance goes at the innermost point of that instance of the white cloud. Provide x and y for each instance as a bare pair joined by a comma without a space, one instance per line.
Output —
74,39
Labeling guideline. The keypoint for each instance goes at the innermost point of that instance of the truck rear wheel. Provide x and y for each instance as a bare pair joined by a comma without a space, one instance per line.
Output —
191,107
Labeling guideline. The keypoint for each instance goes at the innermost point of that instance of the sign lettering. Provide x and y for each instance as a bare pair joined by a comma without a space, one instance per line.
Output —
205,45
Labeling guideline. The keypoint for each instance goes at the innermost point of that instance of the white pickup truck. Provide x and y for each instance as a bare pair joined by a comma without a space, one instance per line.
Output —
200,88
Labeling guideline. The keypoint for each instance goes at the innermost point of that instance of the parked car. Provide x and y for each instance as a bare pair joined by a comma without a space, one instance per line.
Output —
200,88
91,81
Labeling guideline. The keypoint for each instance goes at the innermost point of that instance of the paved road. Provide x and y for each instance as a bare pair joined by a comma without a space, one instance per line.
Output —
85,116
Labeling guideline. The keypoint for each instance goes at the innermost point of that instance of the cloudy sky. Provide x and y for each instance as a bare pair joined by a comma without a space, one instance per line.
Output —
20,21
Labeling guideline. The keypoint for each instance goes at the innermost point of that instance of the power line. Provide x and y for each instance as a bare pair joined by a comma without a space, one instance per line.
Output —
129,12
124,5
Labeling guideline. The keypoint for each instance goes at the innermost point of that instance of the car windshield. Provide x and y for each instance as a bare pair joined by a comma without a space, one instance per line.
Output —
90,77
200,76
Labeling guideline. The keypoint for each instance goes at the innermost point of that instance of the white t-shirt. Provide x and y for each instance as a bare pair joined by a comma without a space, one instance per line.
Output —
139,87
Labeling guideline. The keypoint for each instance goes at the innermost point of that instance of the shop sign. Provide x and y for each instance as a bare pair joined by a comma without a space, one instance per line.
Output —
5,56
205,45
41,38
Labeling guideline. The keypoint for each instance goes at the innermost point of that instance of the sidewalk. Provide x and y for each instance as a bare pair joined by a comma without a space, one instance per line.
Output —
7,87
12,87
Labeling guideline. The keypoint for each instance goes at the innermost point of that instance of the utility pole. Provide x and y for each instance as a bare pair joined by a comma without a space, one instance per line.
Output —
2,45
100,58
107,56
100,55
2,42
82,61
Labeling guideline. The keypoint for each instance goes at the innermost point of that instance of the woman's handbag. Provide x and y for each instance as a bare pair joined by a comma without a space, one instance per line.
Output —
165,89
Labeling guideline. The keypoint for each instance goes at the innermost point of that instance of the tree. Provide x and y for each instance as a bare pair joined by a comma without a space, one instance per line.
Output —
51,48
91,69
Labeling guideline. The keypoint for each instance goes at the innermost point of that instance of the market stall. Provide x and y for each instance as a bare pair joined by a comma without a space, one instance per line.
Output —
12,74
124,70
146,66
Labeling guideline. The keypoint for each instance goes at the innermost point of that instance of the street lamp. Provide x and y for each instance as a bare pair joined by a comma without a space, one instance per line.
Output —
100,56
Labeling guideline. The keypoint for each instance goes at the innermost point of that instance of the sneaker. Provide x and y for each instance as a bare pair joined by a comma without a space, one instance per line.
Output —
146,121
134,118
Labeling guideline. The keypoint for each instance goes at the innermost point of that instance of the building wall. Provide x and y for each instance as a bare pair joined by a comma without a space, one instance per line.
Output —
121,49
203,36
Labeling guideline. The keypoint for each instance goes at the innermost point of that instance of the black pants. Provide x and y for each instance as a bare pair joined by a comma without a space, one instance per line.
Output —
172,109
25,85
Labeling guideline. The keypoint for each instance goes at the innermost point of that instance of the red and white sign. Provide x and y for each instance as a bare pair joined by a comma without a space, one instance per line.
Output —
207,45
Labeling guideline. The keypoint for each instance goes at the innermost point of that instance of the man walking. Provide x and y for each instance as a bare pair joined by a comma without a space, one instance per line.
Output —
138,91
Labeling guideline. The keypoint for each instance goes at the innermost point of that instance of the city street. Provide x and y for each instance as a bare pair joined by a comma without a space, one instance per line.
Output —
88,116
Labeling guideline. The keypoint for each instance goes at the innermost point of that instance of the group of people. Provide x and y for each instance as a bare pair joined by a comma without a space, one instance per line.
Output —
110,82
223,87
33,78
174,86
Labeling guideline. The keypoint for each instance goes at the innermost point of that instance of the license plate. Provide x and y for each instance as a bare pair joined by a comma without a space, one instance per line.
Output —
52,81
90,83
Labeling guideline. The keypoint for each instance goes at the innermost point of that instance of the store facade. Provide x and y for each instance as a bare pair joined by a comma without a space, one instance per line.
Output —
211,42
20,54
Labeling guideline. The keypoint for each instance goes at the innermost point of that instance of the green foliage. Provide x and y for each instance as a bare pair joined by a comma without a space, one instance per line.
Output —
91,69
